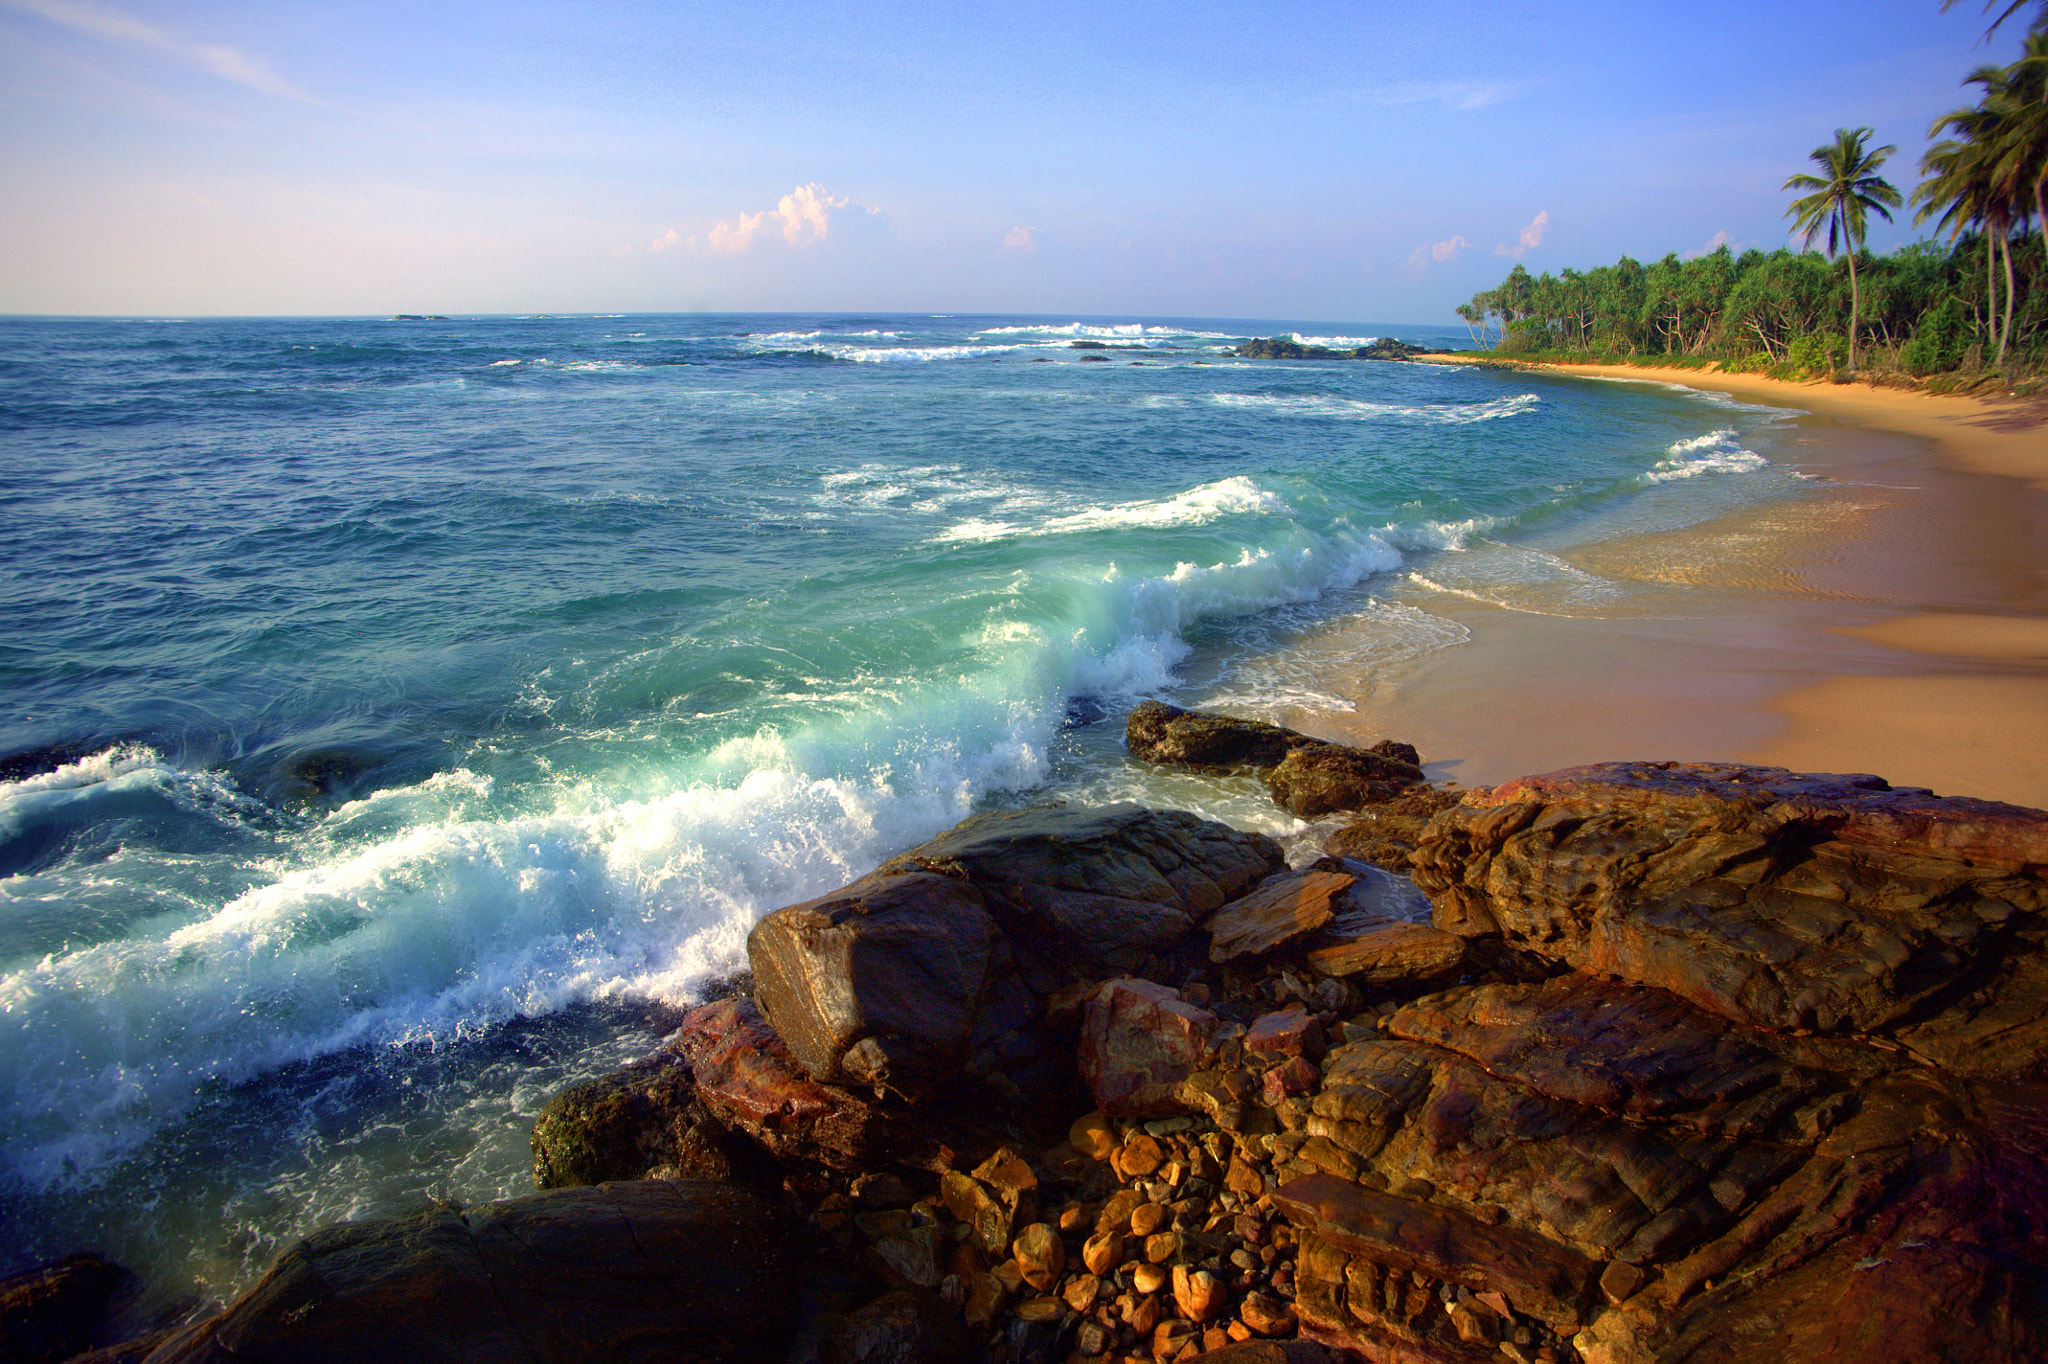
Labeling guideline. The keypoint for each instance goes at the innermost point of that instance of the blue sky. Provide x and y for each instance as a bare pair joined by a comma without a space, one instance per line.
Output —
1355,162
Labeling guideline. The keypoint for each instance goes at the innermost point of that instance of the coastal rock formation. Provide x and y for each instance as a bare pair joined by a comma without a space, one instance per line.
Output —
685,1271
1287,348
1694,1063
1306,777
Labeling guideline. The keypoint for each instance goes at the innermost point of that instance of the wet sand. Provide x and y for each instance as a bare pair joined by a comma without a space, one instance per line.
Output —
1895,622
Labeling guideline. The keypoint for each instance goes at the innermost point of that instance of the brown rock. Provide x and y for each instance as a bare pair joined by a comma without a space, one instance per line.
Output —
623,1125
1786,901
747,1080
1103,1252
1266,1314
1317,779
1539,1276
1391,954
1282,910
691,1271
1148,1218
880,983
1292,1031
989,1219
1199,1294
1169,1338
1619,1281
1162,1246
1296,1075
1159,733
1139,1041
1041,1255
59,1310
1138,1157
1093,1136
1081,1291
895,1327
1149,1278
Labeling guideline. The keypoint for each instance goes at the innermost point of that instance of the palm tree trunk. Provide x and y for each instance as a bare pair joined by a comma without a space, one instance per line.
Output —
2005,332
1855,307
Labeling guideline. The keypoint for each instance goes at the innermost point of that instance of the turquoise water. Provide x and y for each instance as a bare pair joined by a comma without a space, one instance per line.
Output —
402,718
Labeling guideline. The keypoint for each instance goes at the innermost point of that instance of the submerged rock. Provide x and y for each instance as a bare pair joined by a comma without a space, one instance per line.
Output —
1307,777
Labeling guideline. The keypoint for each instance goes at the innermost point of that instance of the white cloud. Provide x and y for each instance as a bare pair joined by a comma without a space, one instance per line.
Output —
805,215
1714,243
228,63
666,241
1530,238
1439,252
1021,238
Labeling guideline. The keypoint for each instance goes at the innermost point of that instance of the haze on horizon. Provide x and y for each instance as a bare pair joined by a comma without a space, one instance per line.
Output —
1362,161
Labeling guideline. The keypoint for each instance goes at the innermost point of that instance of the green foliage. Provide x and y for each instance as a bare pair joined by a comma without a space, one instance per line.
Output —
1939,342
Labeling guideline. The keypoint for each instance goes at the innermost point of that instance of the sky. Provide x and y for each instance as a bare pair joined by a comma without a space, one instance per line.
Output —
1358,161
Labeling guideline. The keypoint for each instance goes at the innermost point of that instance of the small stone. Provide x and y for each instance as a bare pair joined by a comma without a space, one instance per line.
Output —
1103,1251
1073,1217
1081,1291
1198,1293
1149,1278
1091,1339
882,1191
1169,1338
1148,1218
1009,1174
1619,1281
1040,1309
1514,1352
1010,1275
1293,1077
1093,1135
1167,1127
1116,1213
1244,1178
1266,1314
1041,1256
1145,1313
1162,1247
1239,1332
1475,1328
1139,1157
984,1299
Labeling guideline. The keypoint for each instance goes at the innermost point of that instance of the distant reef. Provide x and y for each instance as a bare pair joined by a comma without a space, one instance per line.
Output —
1287,348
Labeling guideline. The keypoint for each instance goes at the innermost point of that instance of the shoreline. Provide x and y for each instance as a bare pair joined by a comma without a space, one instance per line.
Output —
1897,624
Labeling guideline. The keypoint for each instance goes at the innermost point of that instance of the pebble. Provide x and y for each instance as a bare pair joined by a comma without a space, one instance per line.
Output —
1149,1278
1103,1251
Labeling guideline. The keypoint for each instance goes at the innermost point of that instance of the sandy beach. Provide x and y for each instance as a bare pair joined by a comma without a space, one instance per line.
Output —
1895,624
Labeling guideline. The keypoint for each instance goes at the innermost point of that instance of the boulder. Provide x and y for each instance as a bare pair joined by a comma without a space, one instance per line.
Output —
1307,777
905,1327
623,1125
748,1080
1282,910
1322,778
1139,1041
880,983
1390,954
58,1310
1787,901
682,1271
943,958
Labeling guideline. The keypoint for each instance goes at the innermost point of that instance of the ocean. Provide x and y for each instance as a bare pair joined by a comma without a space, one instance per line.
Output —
404,718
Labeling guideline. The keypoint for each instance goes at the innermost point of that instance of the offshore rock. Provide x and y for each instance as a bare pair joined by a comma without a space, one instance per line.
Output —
1786,901
943,958
1308,777
682,1271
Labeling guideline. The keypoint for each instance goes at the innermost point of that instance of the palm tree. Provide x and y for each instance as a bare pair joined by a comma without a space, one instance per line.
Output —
1839,202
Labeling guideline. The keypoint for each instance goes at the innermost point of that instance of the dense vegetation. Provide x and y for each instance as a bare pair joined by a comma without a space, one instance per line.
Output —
1967,309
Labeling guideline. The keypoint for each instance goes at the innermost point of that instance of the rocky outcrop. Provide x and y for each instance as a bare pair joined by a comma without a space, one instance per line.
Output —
1785,901
689,1272
1692,1063
944,958
60,1310
1287,348
1305,776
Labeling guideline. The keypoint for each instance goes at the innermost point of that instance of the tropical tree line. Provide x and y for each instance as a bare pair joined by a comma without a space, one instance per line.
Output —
1972,301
